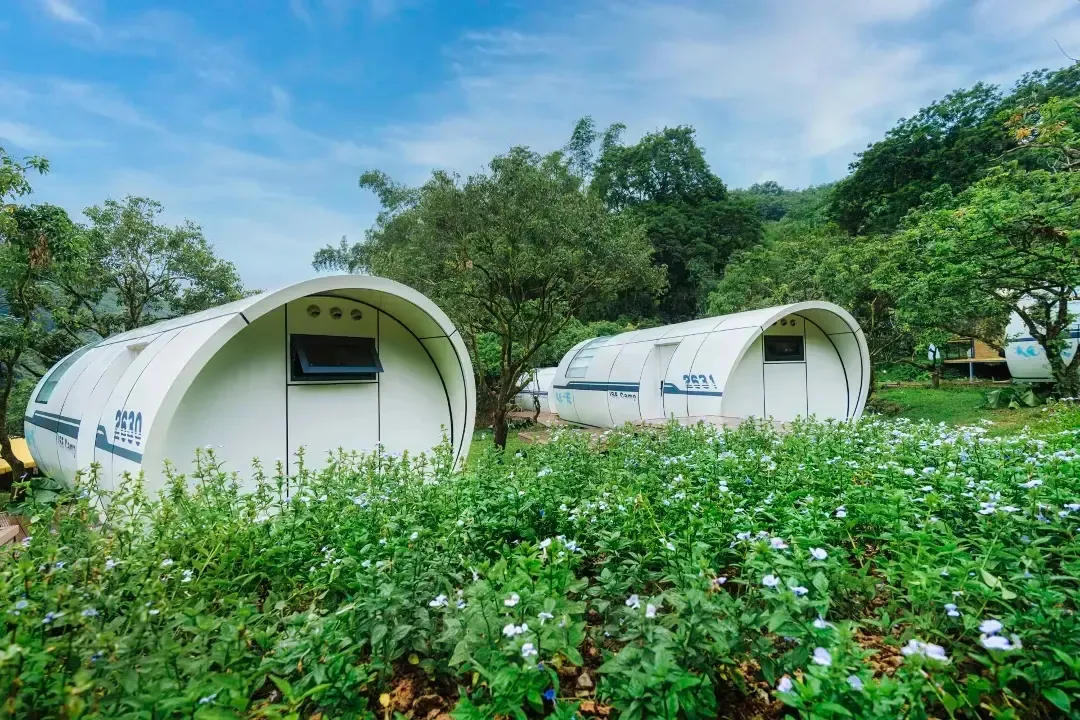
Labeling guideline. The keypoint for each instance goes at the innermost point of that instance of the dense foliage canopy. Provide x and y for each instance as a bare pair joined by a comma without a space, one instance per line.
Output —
513,254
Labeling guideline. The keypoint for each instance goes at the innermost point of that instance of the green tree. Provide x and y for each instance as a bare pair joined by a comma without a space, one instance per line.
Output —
1009,243
776,203
692,222
952,143
139,271
800,261
36,243
514,252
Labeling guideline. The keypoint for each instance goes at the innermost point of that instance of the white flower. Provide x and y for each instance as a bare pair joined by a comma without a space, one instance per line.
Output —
1033,483
669,546
990,627
633,601
544,617
545,543
528,650
909,471
951,611
414,536
928,650
26,541
820,623
167,562
854,682
770,580
187,576
822,657
512,600
110,563
927,488
799,590
208,699
512,630
89,612
21,605
544,472
650,611
743,535
785,685
461,604
818,553
999,642
718,581
778,543
155,611
945,572
439,601
841,513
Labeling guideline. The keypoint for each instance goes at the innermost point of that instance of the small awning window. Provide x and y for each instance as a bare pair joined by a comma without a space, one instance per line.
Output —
784,348
332,357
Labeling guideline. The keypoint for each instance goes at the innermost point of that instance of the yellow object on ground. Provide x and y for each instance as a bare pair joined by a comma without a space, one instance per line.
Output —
18,445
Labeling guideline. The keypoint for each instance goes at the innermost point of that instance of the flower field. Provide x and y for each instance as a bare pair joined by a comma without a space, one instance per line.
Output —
885,569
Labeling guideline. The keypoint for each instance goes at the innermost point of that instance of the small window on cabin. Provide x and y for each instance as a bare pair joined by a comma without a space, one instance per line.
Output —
580,364
784,348
49,385
331,357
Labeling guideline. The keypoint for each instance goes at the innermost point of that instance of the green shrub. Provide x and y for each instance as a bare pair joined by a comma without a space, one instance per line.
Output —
880,569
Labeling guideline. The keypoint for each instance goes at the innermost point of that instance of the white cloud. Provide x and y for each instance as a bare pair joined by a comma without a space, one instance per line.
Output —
791,86
66,12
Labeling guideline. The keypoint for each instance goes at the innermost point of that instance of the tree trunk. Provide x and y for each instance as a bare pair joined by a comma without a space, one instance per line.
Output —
935,377
17,468
500,425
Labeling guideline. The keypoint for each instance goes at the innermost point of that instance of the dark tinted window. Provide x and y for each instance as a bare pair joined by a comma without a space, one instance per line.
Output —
784,348
328,357
49,385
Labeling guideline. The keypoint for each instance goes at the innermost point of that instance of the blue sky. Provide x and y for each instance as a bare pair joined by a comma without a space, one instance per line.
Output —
254,118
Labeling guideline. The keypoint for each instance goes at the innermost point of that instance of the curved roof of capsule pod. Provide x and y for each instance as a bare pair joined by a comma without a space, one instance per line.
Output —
199,336
744,327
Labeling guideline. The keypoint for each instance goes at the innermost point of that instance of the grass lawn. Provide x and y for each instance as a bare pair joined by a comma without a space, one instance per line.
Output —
956,403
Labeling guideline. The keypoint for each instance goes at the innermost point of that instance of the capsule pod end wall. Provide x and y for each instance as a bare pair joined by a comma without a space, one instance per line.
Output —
349,362
781,363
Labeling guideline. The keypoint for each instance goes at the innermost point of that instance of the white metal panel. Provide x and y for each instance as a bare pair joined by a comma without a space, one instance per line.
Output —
87,399
147,387
744,387
324,417
592,391
827,391
413,404
37,437
1024,356
682,377
785,390
122,428
717,358
55,435
625,405
236,404
545,377
650,397
300,321
847,345
458,380
563,395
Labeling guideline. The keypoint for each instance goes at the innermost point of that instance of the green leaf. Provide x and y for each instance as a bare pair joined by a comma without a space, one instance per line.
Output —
378,633
1058,698
282,685
989,579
